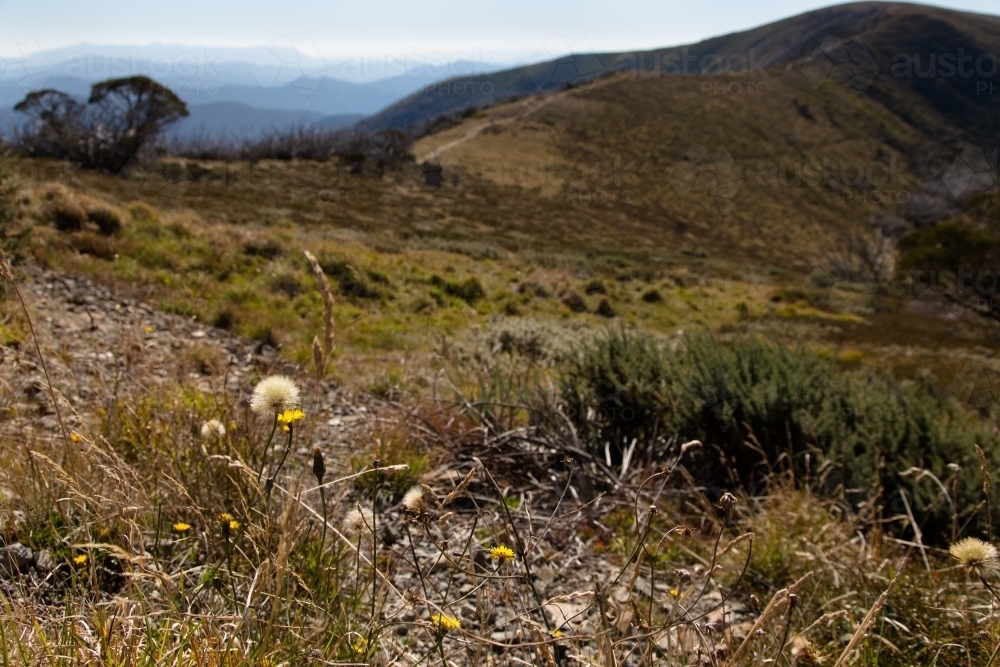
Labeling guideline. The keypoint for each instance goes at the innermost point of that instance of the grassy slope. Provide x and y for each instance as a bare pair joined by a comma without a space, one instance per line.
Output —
886,29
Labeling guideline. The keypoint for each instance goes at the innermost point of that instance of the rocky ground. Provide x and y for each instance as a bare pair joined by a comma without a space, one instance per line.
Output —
100,342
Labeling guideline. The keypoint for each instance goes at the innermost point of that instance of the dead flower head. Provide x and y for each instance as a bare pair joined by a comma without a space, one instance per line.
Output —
213,428
358,520
274,395
413,501
727,501
975,554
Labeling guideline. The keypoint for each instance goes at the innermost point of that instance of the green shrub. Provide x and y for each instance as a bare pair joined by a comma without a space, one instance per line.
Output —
762,408
106,220
469,290
68,217
652,296
575,303
604,309
617,389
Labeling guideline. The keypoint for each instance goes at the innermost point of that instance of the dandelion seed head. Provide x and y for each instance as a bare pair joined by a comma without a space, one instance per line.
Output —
274,394
413,500
975,554
358,520
213,428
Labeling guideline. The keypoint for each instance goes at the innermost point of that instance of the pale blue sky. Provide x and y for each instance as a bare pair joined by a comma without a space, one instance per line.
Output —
514,30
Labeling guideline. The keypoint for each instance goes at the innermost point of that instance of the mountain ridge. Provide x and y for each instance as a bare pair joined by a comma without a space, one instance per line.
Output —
886,30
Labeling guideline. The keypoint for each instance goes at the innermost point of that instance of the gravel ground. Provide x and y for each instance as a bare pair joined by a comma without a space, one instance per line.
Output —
99,341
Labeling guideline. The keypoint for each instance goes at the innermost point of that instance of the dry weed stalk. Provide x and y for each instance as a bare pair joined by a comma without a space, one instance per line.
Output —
869,619
322,349
7,274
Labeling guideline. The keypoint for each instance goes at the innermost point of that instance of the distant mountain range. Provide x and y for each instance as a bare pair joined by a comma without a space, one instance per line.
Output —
271,87
884,50
922,62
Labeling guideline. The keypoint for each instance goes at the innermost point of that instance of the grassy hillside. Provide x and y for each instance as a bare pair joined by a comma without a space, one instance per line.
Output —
896,62
650,370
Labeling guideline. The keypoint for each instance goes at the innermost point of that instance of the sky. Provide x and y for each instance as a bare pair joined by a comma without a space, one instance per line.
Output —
508,32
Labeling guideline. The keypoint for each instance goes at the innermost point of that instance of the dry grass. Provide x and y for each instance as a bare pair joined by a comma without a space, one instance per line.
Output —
169,547
611,566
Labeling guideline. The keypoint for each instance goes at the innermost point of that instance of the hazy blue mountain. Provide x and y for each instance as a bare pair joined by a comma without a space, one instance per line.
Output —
236,120
280,77
228,120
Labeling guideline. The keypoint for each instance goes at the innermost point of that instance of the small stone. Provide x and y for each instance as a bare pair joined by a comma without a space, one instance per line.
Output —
15,559
44,561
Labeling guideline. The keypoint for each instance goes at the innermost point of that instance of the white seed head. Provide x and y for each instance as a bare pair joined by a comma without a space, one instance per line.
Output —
358,520
213,428
413,500
976,554
274,394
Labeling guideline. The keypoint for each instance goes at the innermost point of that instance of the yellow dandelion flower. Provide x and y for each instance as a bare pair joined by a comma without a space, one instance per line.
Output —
446,623
359,646
181,527
502,553
291,416
75,437
148,329
228,524
975,554
80,560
